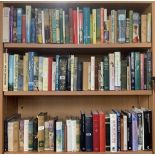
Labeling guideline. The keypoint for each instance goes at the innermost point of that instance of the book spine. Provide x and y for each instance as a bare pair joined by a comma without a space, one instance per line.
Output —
73,124
79,76
113,133
45,74
136,27
72,72
20,72
64,28
57,73
111,72
131,26
53,75
107,125
11,24
71,25
143,28
57,16
21,135
35,134
11,73
26,135
46,135
16,136
92,72
75,35
28,23
98,25
14,25
106,72
89,76
81,27
40,84
137,71
39,25
125,145
16,59
142,70
67,37
118,132
106,33
23,29
25,72
5,71
129,131
132,71
69,135
43,26
36,72
30,134
78,22
19,25
31,71
61,25
59,137
124,74
50,60
127,30
51,135
129,73
75,73
102,25
149,30
113,26
33,29
77,135
94,25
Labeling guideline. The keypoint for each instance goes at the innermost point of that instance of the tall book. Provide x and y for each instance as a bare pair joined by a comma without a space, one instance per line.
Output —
98,25
19,25
85,75
149,30
72,72
106,72
25,72
137,71
36,72
11,23
43,26
28,23
143,28
40,82
94,25
53,74
15,79
131,26
136,21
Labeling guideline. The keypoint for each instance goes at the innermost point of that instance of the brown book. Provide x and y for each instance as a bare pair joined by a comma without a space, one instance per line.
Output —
41,131
85,75
143,28
16,136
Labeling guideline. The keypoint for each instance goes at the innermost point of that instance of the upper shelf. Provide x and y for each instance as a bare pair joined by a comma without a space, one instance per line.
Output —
76,46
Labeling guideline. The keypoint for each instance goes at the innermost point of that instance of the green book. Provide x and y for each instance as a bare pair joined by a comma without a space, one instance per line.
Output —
131,26
137,71
98,25
61,25
124,74
91,28
106,72
67,39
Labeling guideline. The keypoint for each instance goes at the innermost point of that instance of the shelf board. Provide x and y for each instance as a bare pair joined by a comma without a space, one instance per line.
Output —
107,152
74,46
77,93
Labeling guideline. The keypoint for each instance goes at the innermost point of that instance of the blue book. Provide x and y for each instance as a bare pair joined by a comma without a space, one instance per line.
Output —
57,73
11,73
121,26
19,25
86,25
20,73
134,132
33,29
89,133
31,71
28,23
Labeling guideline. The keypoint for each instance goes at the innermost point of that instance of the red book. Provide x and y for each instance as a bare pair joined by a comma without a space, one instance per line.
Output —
71,25
96,134
50,59
74,14
23,29
102,24
102,131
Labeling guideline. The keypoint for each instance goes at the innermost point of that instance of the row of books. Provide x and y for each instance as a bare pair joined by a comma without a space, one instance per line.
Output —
115,71
81,25
98,131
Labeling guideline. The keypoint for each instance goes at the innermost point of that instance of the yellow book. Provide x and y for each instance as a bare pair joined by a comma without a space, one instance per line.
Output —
94,26
25,72
149,27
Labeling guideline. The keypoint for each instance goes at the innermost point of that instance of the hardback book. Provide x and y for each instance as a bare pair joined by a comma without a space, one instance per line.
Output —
79,75
111,71
21,135
40,78
26,134
53,75
53,11
89,76
30,133
121,26
113,26
73,124
128,72
136,21
6,23
85,75
127,39
117,70
86,25
31,71
113,132
131,26
107,126
45,74
39,25
67,37
69,135
98,25
80,26
137,71
10,136
71,25
142,70
20,72
41,129
77,135
43,26
46,147
15,79
94,25
25,72
36,72
19,25
72,59
89,132
47,25
75,34
124,73
35,134
51,135
24,29
28,23
5,71
149,30
16,135
92,72
14,25
11,24
91,28
96,133
102,24
64,28
143,28
132,70
57,16
106,72
57,73
75,73
33,29
50,60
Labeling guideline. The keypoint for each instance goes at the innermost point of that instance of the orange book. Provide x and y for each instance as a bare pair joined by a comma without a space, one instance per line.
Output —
102,131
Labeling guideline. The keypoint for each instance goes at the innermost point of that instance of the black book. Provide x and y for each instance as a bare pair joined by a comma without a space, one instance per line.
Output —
89,133
82,136
55,120
79,75
124,74
147,129
11,118
35,133
107,126
68,79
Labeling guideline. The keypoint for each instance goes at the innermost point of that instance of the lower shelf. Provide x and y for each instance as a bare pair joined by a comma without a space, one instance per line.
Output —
107,152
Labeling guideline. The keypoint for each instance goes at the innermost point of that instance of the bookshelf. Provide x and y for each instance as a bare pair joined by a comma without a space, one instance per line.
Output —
30,103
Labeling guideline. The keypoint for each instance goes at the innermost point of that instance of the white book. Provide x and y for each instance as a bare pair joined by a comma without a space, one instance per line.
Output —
105,15
28,23
26,135
45,74
6,24
73,135
72,72
53,75
149,22
69,135
125,145
59,136
111,71
113,132
43,27
89,76
40,84
78,21
117,72
10,136
5,71
92,72
16,59
64,27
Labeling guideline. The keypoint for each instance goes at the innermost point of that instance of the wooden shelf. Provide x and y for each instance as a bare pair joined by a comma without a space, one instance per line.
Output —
74,46
107,152
76,93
